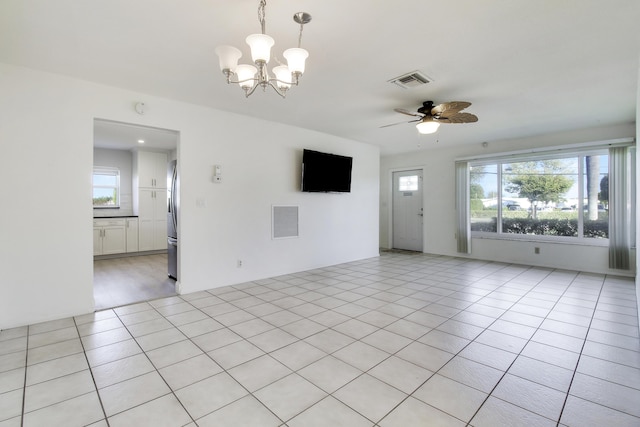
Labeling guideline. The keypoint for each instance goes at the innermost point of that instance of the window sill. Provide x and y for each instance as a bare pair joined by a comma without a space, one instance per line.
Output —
542,239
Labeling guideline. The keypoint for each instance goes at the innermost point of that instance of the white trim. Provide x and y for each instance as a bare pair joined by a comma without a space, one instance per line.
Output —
422,168
569,148
107,171
541,238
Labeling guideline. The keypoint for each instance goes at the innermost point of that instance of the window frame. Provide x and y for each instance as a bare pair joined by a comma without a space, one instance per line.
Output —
579,151
107,171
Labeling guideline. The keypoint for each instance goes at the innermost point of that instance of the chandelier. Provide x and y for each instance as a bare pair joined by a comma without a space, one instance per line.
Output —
250,77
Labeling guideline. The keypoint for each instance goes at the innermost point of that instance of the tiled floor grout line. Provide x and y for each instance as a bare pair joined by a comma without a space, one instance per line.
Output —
84,352
268,354
221,367
528,341
62,376
282,309
558,298
152,364
454,355
595,307
24,385
385,279
303,339
523,347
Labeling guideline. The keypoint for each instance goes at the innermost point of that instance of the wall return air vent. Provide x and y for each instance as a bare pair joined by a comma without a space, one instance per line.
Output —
411,80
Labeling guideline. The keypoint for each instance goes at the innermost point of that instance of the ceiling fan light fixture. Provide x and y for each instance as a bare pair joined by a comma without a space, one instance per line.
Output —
426,127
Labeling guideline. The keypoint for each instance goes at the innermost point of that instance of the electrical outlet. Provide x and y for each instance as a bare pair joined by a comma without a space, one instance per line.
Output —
536,251
239,263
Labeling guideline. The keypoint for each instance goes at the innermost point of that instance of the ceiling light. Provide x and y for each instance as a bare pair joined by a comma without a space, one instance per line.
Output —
141,141
427,126
250,77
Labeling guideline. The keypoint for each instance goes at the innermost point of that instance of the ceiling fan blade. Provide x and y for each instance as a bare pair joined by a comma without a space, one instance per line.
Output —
399,123
447,108
407,112
457,118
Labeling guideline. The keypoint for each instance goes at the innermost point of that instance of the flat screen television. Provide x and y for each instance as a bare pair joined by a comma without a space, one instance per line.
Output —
326,173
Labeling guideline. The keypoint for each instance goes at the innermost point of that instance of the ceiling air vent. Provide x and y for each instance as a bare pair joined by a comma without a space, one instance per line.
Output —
411,80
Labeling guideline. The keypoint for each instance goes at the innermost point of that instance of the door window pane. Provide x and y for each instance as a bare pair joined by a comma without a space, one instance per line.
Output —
408,183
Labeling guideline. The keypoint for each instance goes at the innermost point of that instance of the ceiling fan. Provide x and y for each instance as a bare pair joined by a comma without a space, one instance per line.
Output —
430,117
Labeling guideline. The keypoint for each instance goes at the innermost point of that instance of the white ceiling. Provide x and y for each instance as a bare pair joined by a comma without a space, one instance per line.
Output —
528,67
124,136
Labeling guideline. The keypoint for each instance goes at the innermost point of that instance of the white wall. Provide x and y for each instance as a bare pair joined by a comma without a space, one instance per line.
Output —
439,201
638,200
121,159
46,128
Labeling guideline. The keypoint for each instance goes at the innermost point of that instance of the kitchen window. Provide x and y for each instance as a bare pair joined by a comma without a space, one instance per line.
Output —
106,187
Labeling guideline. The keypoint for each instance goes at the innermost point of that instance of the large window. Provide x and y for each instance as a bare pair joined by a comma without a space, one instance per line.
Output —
580,195
564,196
106,187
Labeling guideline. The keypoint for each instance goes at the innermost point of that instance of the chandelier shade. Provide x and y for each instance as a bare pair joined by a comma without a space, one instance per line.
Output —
296,58
260,45
283,77
250,77
246,74
228,56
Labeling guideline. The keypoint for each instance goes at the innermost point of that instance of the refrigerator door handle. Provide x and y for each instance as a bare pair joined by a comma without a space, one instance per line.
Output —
172,209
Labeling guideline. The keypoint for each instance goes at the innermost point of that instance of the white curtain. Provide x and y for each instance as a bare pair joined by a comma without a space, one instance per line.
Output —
619,208
463,233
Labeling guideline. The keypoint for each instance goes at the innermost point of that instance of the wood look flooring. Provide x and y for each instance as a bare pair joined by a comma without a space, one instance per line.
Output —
121,281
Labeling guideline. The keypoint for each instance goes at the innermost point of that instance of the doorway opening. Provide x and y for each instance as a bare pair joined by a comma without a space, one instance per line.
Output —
407,210
130,213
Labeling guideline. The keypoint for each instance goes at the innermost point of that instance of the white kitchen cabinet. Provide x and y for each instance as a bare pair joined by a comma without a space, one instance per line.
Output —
150,169
152,219
150,199
132,234
109,236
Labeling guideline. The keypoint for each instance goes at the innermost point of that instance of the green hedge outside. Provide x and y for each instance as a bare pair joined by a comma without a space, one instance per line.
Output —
546,227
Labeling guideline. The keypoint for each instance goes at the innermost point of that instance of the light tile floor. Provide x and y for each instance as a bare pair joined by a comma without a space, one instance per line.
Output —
400,340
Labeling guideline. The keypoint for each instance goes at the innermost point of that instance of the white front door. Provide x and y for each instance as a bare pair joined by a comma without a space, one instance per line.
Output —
407,210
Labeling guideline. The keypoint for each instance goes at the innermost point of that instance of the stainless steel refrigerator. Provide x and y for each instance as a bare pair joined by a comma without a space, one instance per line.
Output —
172,218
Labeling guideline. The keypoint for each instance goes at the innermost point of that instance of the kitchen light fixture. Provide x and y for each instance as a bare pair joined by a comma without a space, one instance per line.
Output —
427,126
249,77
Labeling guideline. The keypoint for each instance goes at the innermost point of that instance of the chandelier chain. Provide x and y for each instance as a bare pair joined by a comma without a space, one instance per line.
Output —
300,35
262,15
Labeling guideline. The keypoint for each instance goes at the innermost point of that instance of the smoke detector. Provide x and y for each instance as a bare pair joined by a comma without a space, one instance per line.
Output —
411,80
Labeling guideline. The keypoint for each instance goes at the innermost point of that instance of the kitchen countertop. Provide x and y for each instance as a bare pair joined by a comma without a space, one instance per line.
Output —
115,216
